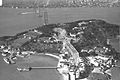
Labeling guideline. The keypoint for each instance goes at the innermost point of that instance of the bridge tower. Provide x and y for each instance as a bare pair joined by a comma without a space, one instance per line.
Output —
45,16
45,13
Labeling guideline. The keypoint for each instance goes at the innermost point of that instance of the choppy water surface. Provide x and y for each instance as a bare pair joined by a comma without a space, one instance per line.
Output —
12,23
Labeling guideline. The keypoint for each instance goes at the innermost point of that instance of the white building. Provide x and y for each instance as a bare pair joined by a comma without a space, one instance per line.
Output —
0,2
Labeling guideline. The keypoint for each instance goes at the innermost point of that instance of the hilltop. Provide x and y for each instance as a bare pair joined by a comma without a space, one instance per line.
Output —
108,31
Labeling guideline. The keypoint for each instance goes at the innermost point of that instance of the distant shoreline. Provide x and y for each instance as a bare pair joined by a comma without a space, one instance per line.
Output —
12,23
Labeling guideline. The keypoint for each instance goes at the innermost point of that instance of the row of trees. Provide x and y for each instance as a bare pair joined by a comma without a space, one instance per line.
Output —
60,3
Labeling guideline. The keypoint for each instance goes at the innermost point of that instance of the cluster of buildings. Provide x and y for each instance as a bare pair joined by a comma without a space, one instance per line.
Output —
60,3
12,51
10,54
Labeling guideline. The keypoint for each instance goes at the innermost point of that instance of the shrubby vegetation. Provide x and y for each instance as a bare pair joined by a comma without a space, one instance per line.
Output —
93,39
